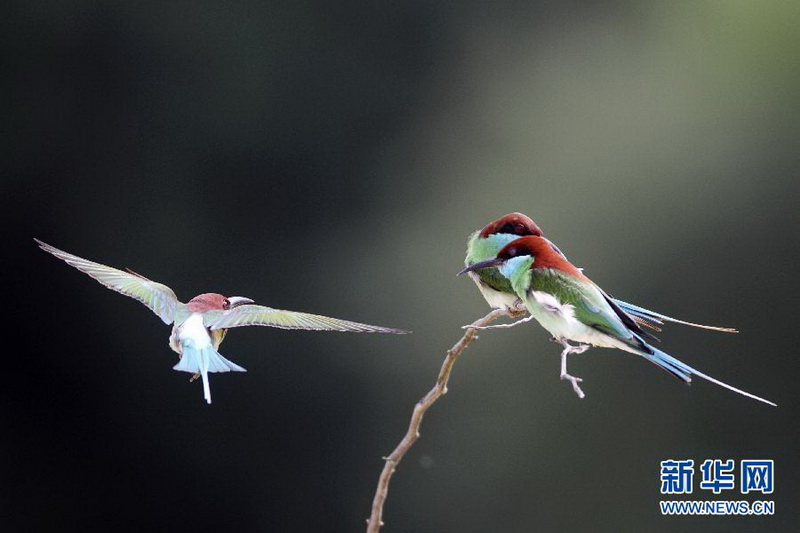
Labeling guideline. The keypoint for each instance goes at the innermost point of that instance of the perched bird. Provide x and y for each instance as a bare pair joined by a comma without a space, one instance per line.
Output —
199,326
487,242
572,308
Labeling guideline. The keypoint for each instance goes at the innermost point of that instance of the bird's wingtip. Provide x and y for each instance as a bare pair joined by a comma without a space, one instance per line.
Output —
383,329
393,331
44,246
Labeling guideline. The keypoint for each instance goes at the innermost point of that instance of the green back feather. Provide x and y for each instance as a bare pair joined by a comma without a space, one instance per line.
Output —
591,306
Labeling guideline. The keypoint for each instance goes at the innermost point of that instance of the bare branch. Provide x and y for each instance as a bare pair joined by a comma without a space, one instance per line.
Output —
375,522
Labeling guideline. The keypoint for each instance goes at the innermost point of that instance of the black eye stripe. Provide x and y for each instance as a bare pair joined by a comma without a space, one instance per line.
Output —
517,228
508,228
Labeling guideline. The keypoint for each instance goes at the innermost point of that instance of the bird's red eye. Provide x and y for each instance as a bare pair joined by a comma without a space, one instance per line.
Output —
226,304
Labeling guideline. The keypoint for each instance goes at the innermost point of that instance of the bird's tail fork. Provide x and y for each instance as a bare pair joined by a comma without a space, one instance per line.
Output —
684,371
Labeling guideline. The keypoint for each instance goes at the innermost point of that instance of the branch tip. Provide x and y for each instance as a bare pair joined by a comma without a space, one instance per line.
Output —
375,521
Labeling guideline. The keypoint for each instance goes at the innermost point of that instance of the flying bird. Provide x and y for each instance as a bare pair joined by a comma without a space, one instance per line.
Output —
572,308
497,291
200,325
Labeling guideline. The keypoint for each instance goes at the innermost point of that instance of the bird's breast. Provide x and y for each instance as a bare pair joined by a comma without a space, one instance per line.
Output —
217,336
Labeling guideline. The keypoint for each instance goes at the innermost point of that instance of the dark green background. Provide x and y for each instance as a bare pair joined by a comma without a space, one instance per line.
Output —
332,157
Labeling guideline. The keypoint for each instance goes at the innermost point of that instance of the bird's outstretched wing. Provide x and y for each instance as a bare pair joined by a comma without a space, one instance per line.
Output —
159,298
259,315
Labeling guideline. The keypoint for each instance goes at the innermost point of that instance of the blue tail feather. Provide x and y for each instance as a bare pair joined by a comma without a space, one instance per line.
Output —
685,372
658,319
202,362
666,362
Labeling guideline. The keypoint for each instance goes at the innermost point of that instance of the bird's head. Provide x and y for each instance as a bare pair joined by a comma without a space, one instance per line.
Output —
211,301
530,246
513,224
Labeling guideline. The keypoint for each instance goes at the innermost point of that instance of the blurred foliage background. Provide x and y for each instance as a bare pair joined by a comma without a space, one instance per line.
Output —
333,158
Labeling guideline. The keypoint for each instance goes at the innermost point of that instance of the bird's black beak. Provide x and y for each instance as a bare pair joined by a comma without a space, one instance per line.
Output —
482,264
236,301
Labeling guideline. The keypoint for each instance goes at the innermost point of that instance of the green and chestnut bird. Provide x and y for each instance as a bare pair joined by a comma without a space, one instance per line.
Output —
573,309
497,291
199,326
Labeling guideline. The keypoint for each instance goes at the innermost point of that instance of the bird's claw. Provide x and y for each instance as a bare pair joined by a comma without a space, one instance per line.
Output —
518,309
